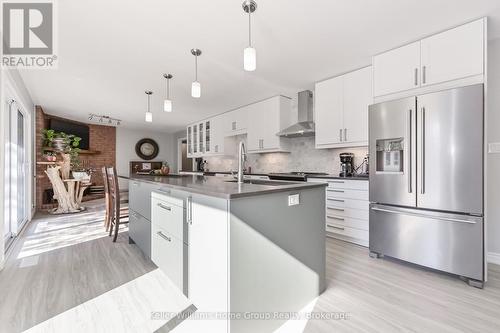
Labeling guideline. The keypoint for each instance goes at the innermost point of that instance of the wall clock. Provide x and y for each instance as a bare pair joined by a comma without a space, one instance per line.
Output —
147,149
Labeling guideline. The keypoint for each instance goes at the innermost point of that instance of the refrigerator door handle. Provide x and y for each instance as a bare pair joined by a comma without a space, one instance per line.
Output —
422,157
410,190
449,219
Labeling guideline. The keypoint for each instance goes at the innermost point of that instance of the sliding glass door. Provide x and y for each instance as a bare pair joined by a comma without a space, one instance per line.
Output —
17,189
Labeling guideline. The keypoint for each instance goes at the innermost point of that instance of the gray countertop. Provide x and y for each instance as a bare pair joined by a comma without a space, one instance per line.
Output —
219,187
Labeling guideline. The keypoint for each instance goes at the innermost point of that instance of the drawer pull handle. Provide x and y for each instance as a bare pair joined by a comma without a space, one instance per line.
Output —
339,209
338,191
337,182
335,218
337,200
159,233
163,206
335,227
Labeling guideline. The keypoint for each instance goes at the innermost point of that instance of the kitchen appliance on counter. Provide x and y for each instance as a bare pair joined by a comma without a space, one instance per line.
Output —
426,204
346,164
294,176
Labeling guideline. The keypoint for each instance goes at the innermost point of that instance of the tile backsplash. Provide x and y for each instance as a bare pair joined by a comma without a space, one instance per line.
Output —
303,156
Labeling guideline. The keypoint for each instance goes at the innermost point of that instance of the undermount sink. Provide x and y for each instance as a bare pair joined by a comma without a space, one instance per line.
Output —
261,182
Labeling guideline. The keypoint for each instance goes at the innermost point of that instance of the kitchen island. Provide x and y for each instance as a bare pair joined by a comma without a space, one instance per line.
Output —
244,254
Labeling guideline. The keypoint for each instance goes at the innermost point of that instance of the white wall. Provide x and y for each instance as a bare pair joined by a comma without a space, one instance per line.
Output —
493,160
125,148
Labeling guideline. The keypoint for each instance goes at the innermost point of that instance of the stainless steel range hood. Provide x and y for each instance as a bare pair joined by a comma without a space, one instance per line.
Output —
305,124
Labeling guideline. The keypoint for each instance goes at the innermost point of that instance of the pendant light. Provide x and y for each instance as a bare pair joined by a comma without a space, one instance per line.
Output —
195,86
249,54
167,103
149,115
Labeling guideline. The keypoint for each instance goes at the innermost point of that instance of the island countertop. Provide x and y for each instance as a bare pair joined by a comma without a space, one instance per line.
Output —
219,187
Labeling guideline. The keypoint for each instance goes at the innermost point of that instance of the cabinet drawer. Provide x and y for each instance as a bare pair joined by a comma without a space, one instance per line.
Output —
140,198
347,231
139,229
167,195
348,203
346,194
361,185
348,213
167,252
170,218
334,220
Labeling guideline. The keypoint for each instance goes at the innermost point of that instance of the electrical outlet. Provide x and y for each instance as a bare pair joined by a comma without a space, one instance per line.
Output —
293,199
494,148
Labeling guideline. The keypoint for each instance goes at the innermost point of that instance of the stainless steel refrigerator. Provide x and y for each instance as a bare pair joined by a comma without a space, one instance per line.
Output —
426,181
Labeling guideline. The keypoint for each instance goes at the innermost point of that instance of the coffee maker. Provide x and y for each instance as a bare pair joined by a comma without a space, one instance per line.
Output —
346,164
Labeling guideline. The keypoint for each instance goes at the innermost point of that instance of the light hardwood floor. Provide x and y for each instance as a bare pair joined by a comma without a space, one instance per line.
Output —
65,270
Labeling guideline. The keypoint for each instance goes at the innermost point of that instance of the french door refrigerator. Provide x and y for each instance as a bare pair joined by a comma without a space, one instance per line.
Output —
426,181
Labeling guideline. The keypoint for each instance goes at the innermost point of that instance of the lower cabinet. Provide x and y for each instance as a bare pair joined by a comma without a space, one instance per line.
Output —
347,209
167,253
139,230
169,247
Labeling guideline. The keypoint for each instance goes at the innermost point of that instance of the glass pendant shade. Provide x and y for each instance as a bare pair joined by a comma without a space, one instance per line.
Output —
196,89
249,59
149,117
167,105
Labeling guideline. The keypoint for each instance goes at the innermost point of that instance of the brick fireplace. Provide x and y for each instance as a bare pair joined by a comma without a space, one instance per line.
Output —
101,152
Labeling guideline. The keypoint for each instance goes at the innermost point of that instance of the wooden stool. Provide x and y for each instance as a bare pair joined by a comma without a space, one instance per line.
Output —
116,212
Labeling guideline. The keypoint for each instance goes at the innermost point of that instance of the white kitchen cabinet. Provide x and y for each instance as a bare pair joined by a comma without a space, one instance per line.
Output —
341,112
357,97
217,135
236,121
453,54
189,136
169,237
347,209
208,222
329,100
397,70
265,119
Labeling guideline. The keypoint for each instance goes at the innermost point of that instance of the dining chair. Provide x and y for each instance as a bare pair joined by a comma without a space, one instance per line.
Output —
117,211
107,199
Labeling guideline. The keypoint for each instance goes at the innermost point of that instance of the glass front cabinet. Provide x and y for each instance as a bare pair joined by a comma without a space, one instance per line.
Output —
199,139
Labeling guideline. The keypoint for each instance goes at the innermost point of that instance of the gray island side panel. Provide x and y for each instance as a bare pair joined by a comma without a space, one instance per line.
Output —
277,255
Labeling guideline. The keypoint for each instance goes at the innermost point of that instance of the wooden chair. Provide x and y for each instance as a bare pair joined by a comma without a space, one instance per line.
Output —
117,212
107,199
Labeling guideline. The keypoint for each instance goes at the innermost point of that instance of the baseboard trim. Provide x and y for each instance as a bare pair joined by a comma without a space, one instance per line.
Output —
494,258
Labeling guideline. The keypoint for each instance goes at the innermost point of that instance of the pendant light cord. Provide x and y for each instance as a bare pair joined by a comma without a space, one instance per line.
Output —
196,68
149,107
168,88
249,28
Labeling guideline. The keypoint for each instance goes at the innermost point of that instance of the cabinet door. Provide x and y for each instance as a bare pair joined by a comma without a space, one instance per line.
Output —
208,137
357,98
217,134
397,70
189,134
208,257
255,127
328,115
167,254
140,198
195,139
139,230
453,54
270,122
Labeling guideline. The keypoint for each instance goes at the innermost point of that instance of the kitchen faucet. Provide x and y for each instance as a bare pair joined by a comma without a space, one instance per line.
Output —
242,157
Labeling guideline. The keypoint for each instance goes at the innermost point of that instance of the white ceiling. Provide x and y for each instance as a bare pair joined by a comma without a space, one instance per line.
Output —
111,51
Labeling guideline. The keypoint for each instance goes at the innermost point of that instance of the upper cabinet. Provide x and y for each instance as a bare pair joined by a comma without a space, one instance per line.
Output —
265,120
341,110
451,55
397,70
236,121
